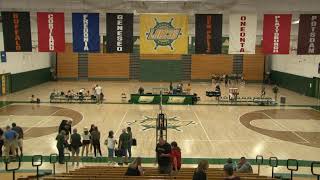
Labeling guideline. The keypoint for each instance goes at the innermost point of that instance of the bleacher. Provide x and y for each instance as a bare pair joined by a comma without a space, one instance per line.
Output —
117,173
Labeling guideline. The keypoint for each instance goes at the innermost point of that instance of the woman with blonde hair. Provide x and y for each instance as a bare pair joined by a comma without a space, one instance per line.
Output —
85,141
135,168
201,172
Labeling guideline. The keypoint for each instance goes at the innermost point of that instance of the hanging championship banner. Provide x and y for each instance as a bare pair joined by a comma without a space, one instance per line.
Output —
119,32
163,34
50,32
309,34
242,33
85,29
276,33
208,34
16,31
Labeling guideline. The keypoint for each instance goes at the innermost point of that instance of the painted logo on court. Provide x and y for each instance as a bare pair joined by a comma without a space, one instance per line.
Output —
163,34
174,123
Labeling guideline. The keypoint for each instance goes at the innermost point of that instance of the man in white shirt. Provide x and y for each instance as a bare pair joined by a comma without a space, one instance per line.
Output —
98,90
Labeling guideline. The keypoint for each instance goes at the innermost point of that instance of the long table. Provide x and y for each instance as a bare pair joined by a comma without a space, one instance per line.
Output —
166,99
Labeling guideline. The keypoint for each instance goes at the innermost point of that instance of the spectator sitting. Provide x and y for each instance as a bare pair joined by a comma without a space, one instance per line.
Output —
81,91
69,95
229,164
171,87
228,172
32,99
244,166
175,156
135,168
188,89
201,172
218,88
141,90
87,93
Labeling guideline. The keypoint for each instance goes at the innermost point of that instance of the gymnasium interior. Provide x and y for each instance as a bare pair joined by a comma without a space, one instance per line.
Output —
231,82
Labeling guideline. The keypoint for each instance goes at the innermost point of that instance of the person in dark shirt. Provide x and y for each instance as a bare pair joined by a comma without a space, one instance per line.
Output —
1,141
95,137
60,145
130,141
75,144
201,172
62,125
141,90
90,131
124,143
163,150
226,80
228,173
135,168
19,140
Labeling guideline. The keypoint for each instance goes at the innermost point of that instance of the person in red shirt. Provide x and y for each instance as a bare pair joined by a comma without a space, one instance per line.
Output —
175,156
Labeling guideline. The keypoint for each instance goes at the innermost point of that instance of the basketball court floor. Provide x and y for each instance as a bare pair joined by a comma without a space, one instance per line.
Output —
202,131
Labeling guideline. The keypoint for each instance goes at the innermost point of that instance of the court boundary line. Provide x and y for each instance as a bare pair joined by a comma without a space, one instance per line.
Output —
282,126
205,132
123,117
43,121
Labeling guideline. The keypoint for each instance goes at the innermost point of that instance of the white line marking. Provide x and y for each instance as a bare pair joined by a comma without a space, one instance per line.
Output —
205,132
125,114
282,126
42,121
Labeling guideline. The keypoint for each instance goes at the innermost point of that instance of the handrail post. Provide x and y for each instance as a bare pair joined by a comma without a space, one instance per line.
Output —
66,160
259,161
53,161
273,162
8,161
37,163
312,171
290,169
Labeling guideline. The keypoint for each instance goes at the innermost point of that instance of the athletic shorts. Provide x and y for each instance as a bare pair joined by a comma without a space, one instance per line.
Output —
85,142
20,143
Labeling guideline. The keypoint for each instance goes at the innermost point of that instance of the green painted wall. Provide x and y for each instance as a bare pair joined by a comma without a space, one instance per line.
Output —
28,79
160,70
293,82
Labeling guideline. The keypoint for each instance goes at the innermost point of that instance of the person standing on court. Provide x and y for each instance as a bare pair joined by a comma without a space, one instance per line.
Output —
75,143
60,145
175,156
10,137
85,141
98,90
111,142
130,141
124,141
95,137
19,139
90,131
163,150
